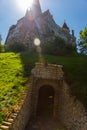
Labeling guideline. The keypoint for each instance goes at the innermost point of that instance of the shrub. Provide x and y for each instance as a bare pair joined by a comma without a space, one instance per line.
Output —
15,47
1,48
70,49
58,47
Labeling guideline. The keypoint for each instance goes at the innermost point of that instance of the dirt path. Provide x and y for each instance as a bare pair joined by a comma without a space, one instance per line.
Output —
44,124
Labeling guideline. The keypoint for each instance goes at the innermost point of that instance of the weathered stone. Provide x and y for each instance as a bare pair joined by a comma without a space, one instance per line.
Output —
6,123
4,127
10,120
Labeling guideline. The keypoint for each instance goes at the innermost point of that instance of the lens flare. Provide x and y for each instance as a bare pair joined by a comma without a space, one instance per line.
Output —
37,42
24,4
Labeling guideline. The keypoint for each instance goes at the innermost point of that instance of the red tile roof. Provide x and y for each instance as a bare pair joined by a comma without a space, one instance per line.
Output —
65,26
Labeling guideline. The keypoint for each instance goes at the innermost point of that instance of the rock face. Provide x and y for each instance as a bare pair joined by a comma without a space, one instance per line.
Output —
36,24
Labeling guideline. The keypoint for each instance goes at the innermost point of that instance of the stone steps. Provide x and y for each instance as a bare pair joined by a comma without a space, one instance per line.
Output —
3,127
6,124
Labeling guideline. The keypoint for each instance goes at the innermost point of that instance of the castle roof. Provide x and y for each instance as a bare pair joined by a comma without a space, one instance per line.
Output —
65,26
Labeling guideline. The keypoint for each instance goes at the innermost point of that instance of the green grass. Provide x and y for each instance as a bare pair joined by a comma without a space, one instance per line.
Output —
15,71
11,82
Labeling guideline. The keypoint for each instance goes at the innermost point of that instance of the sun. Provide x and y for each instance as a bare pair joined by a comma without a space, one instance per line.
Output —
24,4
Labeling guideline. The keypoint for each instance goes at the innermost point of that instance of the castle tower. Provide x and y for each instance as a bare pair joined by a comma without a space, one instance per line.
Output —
65,27
29,15
35,9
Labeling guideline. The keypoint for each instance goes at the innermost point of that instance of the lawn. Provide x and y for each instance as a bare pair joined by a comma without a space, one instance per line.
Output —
15,70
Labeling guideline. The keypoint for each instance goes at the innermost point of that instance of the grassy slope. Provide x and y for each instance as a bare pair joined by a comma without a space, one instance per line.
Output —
11,82
15,69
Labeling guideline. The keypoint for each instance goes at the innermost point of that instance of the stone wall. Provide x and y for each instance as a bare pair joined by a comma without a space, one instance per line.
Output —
19,119
72,112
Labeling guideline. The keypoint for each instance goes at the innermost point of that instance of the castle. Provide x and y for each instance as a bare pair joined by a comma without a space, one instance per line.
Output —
37,24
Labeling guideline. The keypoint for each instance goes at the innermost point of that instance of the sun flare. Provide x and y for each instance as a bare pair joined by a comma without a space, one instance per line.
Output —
37,42
24,4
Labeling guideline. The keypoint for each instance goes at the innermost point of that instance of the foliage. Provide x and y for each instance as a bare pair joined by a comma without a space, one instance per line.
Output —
11,82
58,47
1,48
0,38
82,43
15,47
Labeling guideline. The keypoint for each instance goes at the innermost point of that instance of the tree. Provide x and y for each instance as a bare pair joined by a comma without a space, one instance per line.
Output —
82,43
58,47
0,38
1,45
2,49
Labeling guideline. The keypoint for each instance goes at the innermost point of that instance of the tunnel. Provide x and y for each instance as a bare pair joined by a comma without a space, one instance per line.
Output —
45,104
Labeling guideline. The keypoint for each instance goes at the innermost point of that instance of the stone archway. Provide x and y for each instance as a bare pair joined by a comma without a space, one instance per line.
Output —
45,88
45,103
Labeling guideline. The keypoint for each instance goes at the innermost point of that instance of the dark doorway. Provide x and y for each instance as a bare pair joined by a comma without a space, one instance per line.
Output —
45,101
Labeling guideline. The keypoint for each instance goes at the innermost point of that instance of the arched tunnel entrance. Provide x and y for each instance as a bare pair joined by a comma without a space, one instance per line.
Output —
45,104
46,90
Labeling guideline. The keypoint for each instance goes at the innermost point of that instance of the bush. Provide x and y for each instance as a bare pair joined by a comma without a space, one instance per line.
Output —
70,49
15,47
58,47
1,48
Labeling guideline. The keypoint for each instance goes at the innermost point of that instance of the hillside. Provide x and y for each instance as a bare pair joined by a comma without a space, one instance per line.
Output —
15,70
11,83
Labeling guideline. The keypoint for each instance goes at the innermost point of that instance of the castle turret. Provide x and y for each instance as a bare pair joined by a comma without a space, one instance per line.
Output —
65,27
73,33
36,8
29,14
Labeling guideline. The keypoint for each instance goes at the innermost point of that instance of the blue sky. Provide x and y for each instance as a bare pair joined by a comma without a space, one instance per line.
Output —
74,12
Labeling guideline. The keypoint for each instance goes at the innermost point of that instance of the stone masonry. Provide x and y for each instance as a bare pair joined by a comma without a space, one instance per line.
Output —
18,120
51,75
